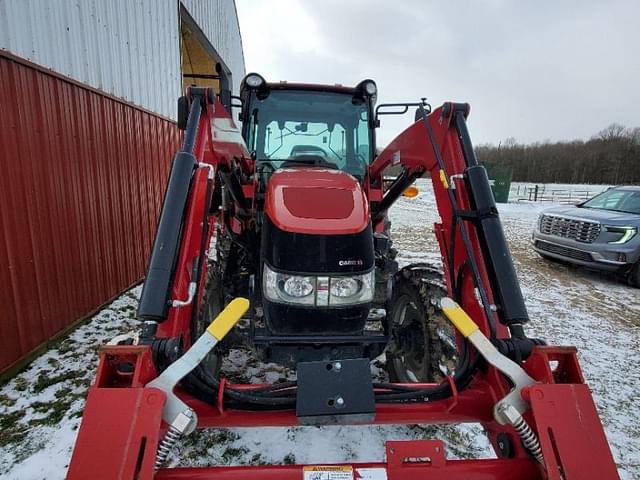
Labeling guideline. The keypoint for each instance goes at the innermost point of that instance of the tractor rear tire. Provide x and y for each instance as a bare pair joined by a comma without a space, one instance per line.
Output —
422,341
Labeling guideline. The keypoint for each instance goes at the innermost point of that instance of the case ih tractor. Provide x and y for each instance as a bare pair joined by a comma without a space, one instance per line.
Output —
276,239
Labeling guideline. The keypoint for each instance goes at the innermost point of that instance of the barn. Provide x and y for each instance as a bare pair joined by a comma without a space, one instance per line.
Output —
88,92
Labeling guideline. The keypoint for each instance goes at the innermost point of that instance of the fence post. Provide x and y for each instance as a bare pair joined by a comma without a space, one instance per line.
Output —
535,196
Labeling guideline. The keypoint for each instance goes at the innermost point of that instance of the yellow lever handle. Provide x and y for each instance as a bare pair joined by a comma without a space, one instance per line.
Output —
228,317
458,317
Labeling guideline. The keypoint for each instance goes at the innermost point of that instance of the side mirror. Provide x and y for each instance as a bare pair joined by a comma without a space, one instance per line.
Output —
400,109
238,102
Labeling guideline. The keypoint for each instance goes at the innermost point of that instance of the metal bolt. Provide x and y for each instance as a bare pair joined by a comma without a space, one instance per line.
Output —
337,366
339,401
509,412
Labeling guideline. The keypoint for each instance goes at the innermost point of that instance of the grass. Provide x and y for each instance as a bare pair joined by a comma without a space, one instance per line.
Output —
233,454
13,431
6,400
45,380
289,459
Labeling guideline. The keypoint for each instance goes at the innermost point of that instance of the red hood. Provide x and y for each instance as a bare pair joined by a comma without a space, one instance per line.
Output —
316,201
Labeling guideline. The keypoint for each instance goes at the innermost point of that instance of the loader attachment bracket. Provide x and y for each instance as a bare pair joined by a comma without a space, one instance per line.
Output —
122,420
335,392
570,432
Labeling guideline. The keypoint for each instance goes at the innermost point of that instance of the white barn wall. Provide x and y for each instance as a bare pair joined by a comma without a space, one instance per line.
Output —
127,48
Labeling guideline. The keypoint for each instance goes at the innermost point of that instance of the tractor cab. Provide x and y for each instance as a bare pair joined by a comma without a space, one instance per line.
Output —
296,125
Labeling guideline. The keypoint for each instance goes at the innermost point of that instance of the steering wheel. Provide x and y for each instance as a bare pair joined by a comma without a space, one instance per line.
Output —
314,160
307,150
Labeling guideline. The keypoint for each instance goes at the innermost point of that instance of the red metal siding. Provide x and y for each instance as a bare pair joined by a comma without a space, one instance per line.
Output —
82,176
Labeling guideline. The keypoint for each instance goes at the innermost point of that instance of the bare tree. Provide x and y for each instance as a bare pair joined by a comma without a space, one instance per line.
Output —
612,156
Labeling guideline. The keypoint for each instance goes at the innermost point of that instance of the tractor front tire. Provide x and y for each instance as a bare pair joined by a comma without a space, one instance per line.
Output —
422,341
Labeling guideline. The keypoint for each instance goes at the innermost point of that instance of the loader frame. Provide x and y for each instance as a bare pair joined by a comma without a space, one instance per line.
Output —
122,422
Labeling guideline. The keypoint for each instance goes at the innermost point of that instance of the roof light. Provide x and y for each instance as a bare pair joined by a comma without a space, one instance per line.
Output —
253,80
371,88
367,88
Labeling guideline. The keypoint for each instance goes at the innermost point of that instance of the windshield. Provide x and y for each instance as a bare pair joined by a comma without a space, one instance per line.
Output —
292,127
627,201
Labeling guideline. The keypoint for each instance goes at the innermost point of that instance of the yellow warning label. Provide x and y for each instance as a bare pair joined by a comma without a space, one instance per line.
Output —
327,472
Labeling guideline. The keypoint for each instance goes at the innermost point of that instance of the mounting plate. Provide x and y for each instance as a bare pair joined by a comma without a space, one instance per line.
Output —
335,392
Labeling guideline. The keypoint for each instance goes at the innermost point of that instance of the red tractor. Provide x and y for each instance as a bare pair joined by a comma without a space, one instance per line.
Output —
282,229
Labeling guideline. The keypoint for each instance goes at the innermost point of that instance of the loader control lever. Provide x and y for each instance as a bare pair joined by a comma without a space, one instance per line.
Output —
182,420
509,410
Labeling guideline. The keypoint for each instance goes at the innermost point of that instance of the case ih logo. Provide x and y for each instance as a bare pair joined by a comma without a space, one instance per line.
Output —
350,263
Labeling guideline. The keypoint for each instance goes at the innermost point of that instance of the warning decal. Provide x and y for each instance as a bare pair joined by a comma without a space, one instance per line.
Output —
327,472
370,474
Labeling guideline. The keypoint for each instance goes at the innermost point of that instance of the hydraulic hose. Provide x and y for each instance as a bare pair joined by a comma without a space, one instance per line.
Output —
282,396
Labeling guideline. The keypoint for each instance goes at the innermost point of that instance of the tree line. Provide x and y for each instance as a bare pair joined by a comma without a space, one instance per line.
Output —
612,156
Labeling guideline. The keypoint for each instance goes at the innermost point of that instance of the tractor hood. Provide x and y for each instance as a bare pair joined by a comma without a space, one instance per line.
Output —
316,201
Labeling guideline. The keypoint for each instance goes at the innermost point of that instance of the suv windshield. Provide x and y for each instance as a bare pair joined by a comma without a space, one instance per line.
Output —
291,127
627,201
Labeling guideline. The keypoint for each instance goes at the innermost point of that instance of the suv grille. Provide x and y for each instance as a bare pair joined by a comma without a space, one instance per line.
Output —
580,230
564,251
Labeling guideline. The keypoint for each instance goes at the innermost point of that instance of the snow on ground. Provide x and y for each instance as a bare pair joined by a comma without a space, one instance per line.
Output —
40,409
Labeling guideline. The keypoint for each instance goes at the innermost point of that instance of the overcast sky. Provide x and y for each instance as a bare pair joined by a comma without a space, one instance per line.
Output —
536,70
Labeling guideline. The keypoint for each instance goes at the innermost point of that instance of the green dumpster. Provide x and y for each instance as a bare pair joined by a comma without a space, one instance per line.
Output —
500,178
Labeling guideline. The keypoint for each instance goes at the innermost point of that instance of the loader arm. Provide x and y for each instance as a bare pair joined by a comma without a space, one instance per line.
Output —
123,433
476,258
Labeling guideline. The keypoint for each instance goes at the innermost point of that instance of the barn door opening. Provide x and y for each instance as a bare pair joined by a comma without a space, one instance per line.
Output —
201,64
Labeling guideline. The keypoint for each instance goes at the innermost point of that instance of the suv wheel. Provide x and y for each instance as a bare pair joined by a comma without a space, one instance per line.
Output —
634,275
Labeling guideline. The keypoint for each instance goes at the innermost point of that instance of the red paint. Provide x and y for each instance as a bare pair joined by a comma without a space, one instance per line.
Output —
83,177
316,201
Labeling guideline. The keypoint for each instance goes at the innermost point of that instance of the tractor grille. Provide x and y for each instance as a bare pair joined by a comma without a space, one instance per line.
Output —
579,230
564,251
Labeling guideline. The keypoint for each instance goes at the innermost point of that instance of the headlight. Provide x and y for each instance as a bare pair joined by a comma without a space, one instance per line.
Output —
298,286
319,291
283,288
344,287
627,233
351,290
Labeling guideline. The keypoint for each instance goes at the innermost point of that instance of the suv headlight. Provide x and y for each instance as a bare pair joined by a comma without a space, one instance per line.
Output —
318,290
627,233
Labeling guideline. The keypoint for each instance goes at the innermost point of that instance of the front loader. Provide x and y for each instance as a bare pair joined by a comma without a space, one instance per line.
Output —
276,239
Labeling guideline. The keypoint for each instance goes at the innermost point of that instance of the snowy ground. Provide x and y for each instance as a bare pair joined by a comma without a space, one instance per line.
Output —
40,409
